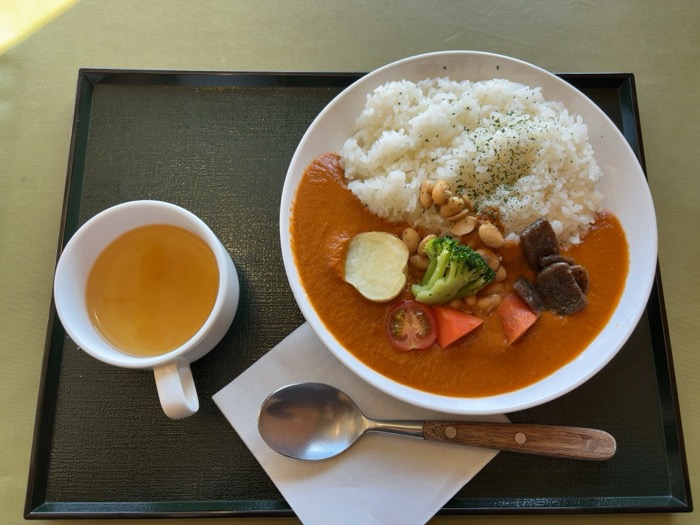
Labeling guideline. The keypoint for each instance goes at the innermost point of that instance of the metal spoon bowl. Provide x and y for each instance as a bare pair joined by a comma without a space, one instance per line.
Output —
314,421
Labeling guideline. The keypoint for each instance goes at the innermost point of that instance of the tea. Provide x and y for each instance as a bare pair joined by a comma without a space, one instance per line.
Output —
152,289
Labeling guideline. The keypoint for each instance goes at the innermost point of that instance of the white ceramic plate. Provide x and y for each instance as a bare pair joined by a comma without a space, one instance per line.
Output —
623,185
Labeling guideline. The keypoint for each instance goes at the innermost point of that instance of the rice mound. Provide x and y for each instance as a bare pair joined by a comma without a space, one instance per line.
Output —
499,142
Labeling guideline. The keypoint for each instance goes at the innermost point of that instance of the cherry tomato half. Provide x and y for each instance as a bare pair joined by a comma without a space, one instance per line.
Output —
411,325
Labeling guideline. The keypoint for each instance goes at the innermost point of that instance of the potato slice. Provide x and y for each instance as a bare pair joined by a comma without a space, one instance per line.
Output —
375,264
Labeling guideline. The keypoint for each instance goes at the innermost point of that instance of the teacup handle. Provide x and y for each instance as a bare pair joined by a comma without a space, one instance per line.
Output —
176,389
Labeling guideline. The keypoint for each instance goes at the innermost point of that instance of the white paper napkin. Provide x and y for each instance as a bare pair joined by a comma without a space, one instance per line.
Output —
382,478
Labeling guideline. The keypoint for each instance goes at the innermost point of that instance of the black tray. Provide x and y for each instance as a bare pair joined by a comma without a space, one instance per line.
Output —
219,144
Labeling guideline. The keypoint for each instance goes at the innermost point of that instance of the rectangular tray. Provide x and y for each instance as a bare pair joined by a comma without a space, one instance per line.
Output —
219,144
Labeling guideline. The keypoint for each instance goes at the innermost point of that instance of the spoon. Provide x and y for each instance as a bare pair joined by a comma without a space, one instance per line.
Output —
315,421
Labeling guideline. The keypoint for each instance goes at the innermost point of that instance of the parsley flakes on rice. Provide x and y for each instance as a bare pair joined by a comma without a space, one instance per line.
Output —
498,142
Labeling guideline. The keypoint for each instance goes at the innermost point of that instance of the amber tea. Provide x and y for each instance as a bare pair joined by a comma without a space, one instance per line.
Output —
152,289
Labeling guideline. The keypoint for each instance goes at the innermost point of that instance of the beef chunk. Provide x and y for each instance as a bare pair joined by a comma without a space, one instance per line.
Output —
581,276
538,240
551,259
529,293
561,283
559,289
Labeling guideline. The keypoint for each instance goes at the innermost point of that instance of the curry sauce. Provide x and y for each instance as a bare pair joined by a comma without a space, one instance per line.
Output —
326,215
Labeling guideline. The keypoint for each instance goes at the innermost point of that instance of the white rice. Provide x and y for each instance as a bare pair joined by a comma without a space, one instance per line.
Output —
498,141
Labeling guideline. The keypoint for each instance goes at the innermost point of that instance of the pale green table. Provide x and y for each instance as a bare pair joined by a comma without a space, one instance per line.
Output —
657,41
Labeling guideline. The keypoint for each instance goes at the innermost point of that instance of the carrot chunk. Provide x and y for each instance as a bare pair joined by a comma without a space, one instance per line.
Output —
516,317
453,324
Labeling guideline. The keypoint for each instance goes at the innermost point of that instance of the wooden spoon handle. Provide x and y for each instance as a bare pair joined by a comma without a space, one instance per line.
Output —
542,440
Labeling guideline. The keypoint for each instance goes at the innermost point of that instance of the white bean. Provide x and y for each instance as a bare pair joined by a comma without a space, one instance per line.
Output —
490,235
425,196
467,202
457,304
490,257
464,225
470,300
458,216
419,262
501,274
453,206
488,303
441,192
411,239
421,245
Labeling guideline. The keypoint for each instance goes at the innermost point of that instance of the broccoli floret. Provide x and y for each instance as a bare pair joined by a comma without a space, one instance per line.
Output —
454,270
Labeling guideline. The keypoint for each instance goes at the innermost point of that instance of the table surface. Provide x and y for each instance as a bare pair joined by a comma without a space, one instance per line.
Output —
657,41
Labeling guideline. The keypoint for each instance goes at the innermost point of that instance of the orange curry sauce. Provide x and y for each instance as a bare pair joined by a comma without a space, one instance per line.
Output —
326,215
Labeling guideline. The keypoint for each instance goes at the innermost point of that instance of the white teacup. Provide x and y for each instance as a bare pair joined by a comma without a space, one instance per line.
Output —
173,376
